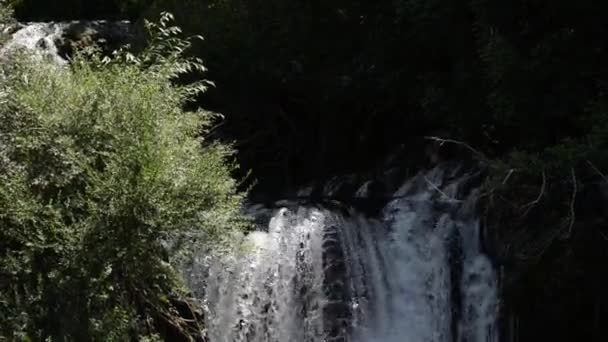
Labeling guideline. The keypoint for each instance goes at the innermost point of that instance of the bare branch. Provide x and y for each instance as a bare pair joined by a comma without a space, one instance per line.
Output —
538,198
505,200
504,181
442,141
572,201
436,188
212,130
597,170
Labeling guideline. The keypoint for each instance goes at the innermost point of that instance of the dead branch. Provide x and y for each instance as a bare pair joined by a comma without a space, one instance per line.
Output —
442,141
542,245
179,324
504,181
572,201
489,194
212,130
436,188
505,200
194,315
597,170
541,193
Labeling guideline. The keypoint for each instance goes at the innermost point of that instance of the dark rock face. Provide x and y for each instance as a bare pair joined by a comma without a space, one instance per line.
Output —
108,35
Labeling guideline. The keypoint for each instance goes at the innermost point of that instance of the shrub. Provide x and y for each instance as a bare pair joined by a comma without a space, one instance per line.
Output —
100,166
6,18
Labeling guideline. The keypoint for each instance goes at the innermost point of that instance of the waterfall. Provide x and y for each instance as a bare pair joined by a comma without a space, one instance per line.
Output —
45,40
413,273
38,39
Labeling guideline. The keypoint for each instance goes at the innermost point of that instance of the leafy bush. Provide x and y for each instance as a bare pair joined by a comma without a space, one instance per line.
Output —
6,17
100,167
5,13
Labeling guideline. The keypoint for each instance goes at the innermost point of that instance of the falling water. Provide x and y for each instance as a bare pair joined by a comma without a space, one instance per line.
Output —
414,273
38,39
43,40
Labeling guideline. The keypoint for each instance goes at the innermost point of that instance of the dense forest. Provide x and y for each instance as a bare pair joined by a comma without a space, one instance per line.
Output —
307,90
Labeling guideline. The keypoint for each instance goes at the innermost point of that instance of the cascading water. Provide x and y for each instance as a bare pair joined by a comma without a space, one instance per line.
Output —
414,274
39,38
45,40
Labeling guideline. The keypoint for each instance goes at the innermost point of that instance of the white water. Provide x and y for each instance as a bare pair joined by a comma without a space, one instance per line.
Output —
38,39
335,275
41,39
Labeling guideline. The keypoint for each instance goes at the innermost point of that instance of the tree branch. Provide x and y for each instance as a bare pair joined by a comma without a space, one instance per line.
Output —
436,188
538,198
504,181
572,201
597,170
442,141
603,235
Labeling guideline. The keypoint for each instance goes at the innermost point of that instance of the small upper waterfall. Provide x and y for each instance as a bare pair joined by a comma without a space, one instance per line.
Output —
38,39
413,273
46,40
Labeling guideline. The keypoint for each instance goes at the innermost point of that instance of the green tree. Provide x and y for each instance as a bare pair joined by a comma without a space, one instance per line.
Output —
100,170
